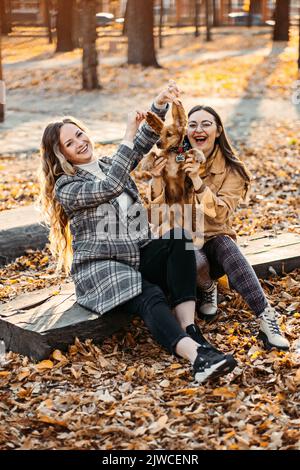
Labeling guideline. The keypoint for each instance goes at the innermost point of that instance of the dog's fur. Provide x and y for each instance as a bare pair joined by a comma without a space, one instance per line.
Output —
178,186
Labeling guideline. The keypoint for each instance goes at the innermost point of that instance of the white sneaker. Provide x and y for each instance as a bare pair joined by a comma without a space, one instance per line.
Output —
208,304
270,332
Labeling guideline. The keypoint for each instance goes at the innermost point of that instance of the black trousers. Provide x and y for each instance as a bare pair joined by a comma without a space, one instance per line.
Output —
168,278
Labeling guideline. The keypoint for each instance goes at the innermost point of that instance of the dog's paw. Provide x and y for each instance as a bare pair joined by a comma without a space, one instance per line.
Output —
148,162
154,122
197,155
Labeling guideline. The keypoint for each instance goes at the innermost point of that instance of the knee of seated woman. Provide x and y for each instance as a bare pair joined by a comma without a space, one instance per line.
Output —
152,293
203,267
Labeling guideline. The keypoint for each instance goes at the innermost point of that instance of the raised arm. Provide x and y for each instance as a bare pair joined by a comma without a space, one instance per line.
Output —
146,137
75,194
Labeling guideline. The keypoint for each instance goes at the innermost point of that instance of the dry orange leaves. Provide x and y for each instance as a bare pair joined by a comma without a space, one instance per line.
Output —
99,398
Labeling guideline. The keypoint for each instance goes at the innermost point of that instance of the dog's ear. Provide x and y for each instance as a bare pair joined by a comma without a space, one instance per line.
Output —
179,116
154,122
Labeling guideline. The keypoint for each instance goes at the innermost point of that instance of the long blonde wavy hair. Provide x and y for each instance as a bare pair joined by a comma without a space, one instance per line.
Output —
54,164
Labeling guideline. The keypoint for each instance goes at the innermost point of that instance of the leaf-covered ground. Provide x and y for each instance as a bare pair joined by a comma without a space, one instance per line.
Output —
130,394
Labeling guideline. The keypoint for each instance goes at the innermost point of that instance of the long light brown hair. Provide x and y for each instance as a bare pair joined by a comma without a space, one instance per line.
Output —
53,165
226,148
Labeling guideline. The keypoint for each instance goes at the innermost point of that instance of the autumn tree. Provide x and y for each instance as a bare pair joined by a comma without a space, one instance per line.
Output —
282,20
161,23
89,50
64,26
76,19
216,13
207,19
140,21
197,15
5,16
45,8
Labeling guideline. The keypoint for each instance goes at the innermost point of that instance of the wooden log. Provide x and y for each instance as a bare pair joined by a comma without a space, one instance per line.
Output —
36,324
20,230
265,251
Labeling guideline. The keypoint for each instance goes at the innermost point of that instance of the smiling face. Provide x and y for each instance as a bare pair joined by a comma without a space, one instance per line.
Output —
202,131
75,144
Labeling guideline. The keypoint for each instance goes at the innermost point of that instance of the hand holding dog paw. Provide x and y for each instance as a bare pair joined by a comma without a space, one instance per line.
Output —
197,155
168,95
158,166
191,166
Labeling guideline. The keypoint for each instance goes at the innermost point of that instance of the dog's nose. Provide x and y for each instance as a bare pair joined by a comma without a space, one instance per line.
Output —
159,144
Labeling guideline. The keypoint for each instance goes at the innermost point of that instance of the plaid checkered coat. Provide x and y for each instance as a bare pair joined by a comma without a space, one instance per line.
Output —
105,272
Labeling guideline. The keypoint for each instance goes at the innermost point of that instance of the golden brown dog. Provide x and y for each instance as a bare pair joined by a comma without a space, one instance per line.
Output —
178,186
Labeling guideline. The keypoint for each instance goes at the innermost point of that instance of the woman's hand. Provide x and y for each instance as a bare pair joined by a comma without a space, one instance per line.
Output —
134,119
168,95
159,165
191,167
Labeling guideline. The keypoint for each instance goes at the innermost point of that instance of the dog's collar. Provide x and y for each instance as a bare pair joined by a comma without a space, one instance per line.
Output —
179,153
178,150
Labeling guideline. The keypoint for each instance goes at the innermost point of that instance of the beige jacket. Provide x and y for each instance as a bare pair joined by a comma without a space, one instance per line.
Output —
224,189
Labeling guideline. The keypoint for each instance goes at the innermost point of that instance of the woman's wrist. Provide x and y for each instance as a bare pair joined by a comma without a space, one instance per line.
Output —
160,105
128,143
129,136
197,182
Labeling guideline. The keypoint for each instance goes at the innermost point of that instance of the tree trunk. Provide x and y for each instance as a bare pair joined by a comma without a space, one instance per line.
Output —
124,29
161,23
216,18
46,13
197,17
2,84
76,24
64,26
140,33
89,50
282,20
5,16
179,10
207,20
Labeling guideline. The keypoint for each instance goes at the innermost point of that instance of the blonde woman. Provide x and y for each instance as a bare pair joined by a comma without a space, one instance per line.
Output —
96,224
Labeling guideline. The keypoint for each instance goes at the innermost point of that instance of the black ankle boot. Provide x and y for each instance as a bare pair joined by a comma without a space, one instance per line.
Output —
195,333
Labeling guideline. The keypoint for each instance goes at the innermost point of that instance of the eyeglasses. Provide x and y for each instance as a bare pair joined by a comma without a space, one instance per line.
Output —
203,125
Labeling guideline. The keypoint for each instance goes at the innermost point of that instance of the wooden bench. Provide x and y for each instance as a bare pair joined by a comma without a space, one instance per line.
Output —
34,324
20,230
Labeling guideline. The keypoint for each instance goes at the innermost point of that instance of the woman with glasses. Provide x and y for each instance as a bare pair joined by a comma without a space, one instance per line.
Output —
219,185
